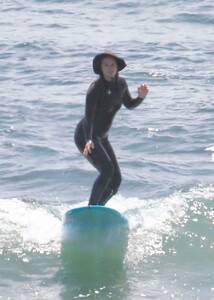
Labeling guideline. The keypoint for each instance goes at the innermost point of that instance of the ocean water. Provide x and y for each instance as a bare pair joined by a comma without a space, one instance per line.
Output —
165,147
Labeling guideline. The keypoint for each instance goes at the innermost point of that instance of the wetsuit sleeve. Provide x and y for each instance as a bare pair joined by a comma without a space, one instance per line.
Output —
90,108
127,99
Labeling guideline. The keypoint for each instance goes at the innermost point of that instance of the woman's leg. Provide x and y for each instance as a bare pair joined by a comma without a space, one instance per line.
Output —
115,181
102,157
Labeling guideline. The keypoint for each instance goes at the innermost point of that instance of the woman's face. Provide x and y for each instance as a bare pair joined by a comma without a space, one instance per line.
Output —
109,67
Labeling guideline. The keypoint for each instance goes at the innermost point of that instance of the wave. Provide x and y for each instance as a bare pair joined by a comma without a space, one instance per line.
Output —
173,227
172,233
158,227
26,226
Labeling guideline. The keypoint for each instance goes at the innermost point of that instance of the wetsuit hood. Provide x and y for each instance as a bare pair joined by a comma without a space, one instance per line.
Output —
98,59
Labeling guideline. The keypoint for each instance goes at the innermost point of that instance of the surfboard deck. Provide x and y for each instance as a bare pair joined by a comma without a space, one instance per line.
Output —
93,216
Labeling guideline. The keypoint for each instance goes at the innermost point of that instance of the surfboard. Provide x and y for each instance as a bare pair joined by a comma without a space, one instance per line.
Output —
95,231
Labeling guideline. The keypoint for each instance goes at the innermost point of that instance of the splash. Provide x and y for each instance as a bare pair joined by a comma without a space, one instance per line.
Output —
27,226
165,226
174,225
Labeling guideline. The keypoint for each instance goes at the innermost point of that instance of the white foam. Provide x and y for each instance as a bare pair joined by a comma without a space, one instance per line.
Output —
210,148
36,226
28,224
149,222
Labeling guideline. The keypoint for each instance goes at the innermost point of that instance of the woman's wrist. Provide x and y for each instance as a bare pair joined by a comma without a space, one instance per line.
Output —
142,98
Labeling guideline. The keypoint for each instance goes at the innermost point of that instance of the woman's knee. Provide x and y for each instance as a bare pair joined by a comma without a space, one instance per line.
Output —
117,179
108,171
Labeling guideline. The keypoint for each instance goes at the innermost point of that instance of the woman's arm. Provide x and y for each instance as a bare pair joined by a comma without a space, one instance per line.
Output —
130,102
90,108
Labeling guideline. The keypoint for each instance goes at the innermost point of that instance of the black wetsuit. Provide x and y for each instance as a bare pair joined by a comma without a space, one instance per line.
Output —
103,100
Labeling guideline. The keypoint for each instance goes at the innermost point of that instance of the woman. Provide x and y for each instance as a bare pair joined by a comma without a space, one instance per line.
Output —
104,98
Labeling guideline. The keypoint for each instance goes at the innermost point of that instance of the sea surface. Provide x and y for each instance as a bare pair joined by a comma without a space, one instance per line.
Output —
165,147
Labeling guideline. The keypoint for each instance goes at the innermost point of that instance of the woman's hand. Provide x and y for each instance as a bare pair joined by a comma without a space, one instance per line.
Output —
143,90
88,146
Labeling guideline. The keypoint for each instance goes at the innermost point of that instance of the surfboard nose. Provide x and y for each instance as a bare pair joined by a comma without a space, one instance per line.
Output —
97,231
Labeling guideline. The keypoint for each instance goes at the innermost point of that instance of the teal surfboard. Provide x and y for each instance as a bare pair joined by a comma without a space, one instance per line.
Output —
95,232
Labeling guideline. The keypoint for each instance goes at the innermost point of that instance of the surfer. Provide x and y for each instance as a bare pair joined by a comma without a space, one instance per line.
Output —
104,98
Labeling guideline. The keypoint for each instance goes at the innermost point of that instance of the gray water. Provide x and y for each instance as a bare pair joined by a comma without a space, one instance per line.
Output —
165,147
